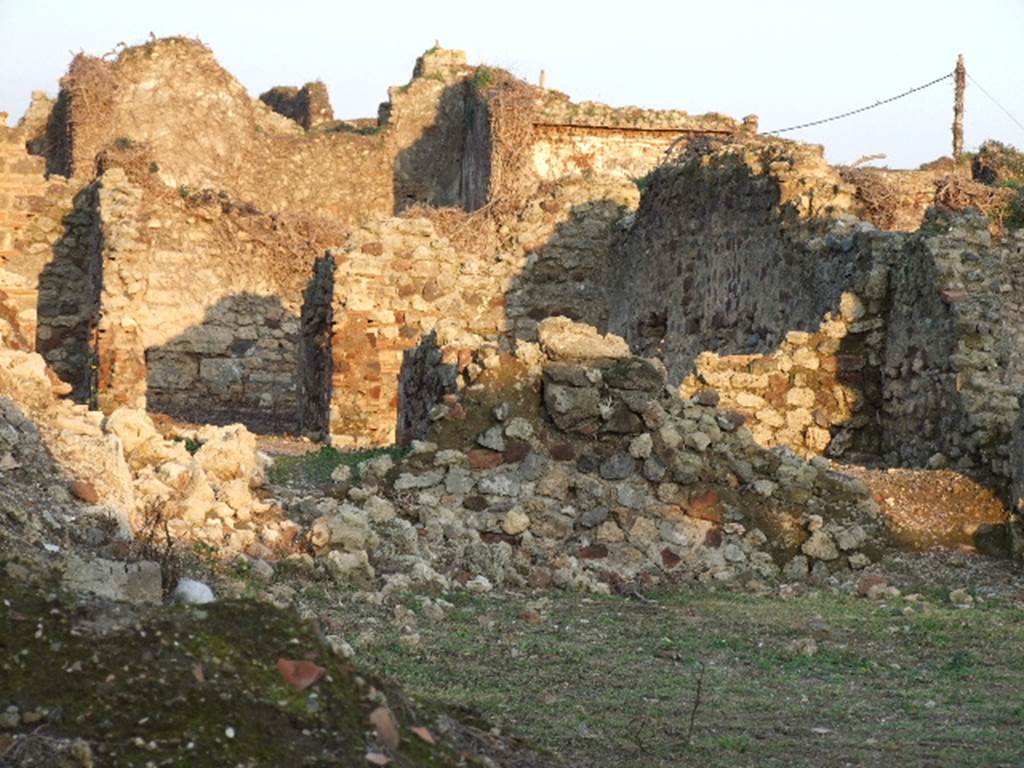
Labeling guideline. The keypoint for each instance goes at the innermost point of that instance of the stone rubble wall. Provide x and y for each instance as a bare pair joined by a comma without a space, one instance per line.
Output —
428,123
395,280
69,293
570,150
205,132
1017,488
819,391
719,257
309,106
953,370
200,304
107,324
399,279
315,353
551,466
32,211
561,246
747,274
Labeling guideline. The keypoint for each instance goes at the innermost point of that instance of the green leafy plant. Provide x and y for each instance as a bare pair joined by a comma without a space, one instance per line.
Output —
1014,216
483,78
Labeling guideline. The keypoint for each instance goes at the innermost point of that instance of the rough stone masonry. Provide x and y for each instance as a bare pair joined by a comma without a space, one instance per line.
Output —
171,243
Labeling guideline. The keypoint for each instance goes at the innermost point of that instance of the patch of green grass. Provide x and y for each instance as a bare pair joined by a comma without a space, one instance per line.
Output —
124,142
643,183
316,467
732,743
939,685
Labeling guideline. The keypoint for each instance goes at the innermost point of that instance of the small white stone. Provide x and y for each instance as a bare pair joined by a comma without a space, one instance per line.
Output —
479,584
519,428
192,592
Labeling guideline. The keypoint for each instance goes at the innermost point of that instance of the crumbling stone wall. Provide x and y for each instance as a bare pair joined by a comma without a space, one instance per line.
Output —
69,293
395,280
315,354
200,304
398,279
309,106
827,335
719,259
953,371
563,240
32,211
453,136
590,138
204,132
1017,488
570,458
429,123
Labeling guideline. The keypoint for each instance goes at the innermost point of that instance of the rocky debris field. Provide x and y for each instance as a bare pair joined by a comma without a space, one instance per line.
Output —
163,568
570,464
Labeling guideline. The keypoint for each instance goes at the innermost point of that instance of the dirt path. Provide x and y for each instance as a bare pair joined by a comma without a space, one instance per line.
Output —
928,508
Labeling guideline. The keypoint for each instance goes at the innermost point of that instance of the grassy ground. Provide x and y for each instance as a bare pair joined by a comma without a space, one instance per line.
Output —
613,681
315,468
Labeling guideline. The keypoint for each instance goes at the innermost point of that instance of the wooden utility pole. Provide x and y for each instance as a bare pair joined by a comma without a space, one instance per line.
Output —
960,78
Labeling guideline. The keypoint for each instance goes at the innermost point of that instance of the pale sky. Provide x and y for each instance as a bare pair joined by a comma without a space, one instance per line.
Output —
788,61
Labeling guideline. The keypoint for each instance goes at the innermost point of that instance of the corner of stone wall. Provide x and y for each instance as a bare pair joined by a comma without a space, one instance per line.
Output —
953,379
315,354
120,350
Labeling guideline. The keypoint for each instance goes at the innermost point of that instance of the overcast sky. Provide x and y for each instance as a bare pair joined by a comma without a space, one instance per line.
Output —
788,61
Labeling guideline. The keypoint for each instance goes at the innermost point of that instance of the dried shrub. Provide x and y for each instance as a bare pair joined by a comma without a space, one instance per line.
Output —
997,163
87,95
154,541
471,232
510,104
880,200
133,157
958,194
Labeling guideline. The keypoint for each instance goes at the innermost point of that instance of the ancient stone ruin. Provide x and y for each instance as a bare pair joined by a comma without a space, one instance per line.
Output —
621,343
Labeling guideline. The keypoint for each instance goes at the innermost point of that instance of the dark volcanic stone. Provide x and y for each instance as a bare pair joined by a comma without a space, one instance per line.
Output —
617,467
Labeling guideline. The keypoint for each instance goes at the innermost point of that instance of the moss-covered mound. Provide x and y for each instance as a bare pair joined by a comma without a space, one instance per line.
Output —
104,683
